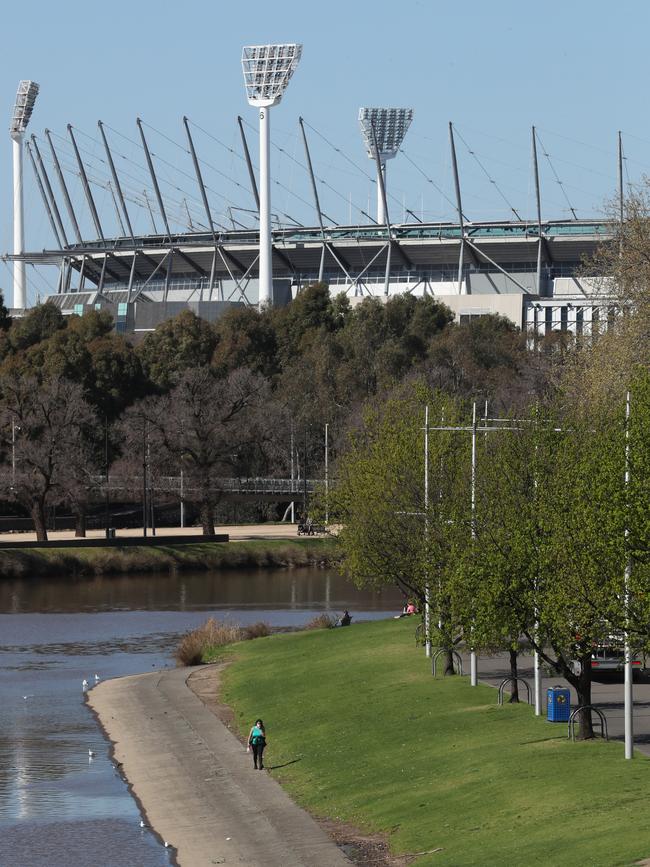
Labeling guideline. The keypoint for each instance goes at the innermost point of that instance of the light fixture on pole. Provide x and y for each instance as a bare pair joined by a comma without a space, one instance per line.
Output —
267,70
390,125
23,107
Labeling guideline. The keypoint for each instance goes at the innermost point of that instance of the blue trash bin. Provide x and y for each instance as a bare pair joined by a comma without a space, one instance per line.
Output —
558,704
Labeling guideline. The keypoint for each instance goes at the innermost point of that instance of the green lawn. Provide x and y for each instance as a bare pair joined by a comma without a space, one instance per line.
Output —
434,763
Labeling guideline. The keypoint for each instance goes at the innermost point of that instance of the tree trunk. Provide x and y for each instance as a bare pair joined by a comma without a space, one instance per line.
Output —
38,517
449,663
207,518
583,688
80,522
514,694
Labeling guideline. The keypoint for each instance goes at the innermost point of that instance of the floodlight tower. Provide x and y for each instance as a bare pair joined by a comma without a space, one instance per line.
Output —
389,126
23,107
267,70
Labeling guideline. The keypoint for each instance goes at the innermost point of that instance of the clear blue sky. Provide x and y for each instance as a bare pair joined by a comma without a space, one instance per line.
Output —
577,69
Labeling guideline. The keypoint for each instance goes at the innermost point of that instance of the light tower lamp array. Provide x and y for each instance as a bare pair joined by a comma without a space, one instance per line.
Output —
386,127
267,70
23,107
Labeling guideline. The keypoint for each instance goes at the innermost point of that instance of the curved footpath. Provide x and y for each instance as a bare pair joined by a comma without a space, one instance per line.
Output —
196,783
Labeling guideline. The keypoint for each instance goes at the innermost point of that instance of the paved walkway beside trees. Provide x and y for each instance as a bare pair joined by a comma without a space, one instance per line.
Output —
195,782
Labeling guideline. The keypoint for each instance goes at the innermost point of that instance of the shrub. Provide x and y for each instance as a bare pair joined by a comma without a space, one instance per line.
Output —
322,621
256,630
193,645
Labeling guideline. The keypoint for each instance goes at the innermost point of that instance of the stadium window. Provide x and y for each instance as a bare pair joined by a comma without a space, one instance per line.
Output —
122,308
98,306
79,309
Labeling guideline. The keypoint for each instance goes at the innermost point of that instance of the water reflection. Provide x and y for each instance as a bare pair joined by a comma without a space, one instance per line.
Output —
55,633
263,589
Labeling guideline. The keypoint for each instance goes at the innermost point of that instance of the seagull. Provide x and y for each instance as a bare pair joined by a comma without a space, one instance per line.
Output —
142,824
28,696
96,678
84,684
166,845
91,754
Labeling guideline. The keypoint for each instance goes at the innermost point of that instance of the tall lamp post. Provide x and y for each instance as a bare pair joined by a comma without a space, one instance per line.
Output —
23,107
267,70
383,132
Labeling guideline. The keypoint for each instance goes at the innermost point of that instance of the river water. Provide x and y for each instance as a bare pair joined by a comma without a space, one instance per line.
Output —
59,805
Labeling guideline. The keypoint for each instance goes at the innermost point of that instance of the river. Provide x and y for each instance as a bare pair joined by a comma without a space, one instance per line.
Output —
60,806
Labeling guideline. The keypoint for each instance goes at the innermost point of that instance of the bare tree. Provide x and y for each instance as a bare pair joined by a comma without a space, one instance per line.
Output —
46,430
209,426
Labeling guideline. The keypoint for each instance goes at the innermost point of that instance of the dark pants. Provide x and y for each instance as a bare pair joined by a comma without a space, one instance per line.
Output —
258,750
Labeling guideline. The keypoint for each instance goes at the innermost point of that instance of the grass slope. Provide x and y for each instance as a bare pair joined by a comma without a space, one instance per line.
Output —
28,562
433,763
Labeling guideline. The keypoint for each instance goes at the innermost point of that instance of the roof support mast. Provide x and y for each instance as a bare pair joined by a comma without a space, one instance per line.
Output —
86,186
41,189
64,189
154,179
50,192
116,180
249,164
314,189
540,238
621,194
459,208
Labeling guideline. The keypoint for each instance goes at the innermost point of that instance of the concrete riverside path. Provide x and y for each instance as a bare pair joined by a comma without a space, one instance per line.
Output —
196,783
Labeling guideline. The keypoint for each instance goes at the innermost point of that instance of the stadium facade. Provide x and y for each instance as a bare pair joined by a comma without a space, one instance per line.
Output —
509,268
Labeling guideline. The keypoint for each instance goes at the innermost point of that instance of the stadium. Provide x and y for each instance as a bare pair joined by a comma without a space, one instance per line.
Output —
530,271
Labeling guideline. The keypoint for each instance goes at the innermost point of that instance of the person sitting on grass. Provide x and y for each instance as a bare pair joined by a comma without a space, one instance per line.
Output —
257,742
345,619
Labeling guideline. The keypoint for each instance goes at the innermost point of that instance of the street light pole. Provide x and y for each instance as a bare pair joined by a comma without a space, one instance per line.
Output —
473,678
629,698
427,600
107,492
327,480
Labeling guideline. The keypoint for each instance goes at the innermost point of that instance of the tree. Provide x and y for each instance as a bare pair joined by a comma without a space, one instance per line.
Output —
46,430
246,338
387,535
207,426
177,345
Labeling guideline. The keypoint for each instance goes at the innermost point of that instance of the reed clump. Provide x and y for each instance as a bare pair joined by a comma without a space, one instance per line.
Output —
322,621
198,645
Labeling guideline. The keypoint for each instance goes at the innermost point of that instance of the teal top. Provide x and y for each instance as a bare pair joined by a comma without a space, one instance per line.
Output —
256,733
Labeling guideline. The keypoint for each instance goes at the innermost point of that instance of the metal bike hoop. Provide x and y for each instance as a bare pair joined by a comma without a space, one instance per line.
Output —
506,680
601,721
458,662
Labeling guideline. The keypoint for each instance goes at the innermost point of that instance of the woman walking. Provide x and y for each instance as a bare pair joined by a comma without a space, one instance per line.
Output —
257,742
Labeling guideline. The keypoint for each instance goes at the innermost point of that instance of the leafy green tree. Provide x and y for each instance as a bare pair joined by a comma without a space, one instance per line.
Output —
246,338
38,324
387,534
179,344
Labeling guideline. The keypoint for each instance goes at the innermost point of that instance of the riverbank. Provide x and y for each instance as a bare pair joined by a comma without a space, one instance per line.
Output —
245,554
367,737
195,782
